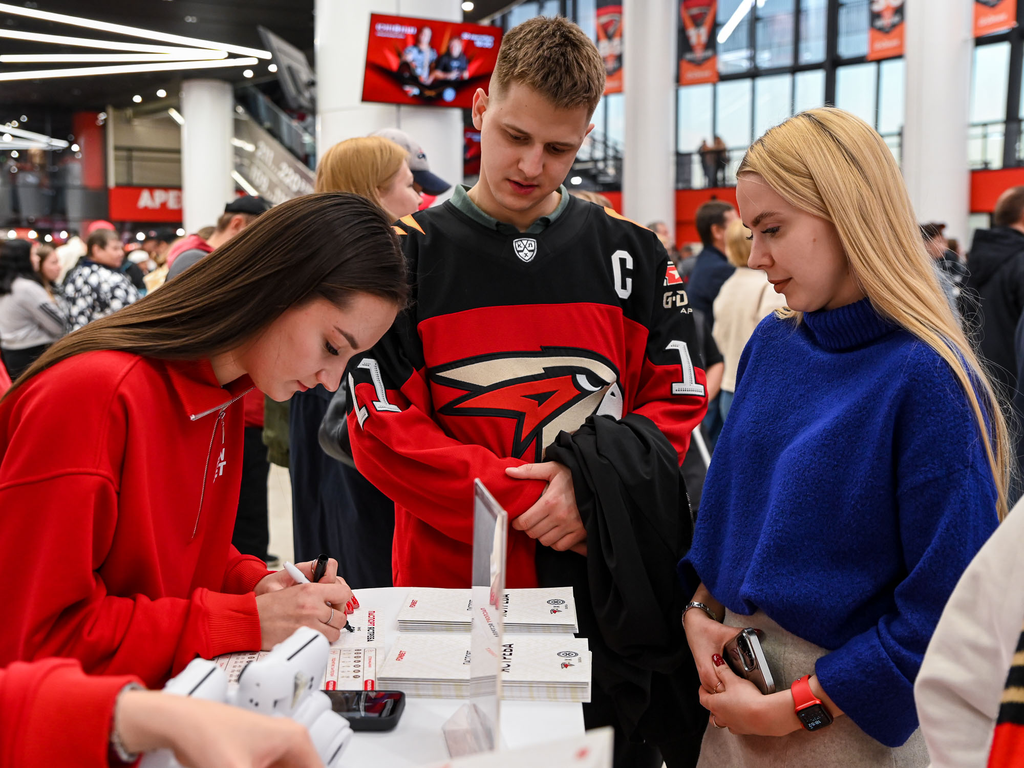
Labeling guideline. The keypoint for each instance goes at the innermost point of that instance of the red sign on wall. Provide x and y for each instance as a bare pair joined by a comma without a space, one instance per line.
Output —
991,16
156,204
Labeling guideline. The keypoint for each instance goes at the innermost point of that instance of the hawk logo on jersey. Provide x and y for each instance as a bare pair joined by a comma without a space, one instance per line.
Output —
545,392
525,248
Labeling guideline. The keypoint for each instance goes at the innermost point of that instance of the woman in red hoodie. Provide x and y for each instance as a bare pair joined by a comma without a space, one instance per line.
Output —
121,448
52,714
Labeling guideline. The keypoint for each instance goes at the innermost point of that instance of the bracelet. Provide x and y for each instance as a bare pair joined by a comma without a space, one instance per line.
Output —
695,604
117,749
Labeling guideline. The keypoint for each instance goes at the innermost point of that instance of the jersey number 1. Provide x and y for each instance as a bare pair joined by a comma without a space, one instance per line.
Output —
381,403
689,385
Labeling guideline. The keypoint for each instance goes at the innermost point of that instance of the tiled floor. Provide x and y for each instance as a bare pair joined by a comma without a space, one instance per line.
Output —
279,490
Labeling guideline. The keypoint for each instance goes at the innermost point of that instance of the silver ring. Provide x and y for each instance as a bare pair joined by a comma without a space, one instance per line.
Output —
713,720
331,616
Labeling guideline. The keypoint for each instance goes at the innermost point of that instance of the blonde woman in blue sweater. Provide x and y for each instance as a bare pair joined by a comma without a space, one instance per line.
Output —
863,464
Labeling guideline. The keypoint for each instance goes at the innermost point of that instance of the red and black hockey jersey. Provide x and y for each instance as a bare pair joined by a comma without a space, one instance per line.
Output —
510,339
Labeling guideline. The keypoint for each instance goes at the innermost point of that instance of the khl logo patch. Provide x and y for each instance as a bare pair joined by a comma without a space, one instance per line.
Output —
526,248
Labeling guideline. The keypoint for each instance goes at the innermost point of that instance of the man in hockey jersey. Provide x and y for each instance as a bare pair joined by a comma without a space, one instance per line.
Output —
535,314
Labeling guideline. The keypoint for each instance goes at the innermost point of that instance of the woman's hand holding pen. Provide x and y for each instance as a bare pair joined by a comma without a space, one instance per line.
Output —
328,569
285,603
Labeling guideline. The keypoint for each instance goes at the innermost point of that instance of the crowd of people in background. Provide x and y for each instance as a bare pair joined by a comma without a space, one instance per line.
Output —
801,425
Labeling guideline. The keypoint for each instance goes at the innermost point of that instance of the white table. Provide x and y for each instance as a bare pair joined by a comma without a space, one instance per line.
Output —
417,740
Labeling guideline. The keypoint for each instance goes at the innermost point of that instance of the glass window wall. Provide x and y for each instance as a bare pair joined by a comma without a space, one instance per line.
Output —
855,90
550,8
773,99
734,25
693,117
586,17
853,29
522,12
990,82
615,106
774,34
809,90
733,103
892,77
813,30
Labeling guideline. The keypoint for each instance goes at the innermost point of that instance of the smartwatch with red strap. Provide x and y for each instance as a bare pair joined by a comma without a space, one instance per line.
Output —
809,709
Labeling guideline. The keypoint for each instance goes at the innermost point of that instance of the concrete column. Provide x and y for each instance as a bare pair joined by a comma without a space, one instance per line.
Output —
938,51
341,33
207,158
648,61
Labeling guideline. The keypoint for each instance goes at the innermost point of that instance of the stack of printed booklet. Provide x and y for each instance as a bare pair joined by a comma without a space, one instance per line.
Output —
430,657
528,611
540,659
533,668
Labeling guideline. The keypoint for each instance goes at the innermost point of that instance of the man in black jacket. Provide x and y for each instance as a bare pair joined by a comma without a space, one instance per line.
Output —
996,284
712,268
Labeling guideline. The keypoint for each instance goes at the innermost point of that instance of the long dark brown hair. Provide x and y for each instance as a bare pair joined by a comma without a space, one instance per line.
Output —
330,245
15,262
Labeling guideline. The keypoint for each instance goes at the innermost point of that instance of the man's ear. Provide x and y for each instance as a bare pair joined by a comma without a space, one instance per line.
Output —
589,129
480,101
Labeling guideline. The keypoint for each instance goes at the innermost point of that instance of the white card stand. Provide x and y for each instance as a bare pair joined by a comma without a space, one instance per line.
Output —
475,727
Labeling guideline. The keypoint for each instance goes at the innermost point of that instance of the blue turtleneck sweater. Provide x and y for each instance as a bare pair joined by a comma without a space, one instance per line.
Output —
847,493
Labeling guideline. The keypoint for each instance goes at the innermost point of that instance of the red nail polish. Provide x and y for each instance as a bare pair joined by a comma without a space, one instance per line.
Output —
348,607
355,602
717,658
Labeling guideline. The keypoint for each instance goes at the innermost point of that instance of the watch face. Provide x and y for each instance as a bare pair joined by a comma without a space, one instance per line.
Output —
814,717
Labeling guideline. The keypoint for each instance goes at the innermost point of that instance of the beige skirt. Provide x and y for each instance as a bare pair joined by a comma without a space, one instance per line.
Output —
840,744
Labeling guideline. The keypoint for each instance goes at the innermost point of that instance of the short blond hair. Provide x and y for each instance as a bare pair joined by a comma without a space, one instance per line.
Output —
737,243
364,166
553,57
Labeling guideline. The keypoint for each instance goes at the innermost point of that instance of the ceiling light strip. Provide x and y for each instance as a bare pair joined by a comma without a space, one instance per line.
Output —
104,58
23,144
176,116
249,188
109,45
126,69
734,21
32,135
121,29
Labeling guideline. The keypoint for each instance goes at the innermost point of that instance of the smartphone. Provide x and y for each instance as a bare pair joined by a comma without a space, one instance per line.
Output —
368,710
746,658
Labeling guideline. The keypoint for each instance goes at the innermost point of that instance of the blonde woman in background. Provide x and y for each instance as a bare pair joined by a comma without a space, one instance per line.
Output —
374,167
745,300
335,510
863,464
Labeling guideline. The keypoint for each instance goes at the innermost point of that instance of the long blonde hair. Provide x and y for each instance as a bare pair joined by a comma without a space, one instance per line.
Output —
833,165
365,166
737,246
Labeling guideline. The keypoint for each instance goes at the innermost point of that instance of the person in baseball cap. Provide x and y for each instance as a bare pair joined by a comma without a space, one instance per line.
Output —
428,182
248,204
238,214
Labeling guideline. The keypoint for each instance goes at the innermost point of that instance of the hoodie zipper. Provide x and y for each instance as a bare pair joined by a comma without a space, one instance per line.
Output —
213,436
